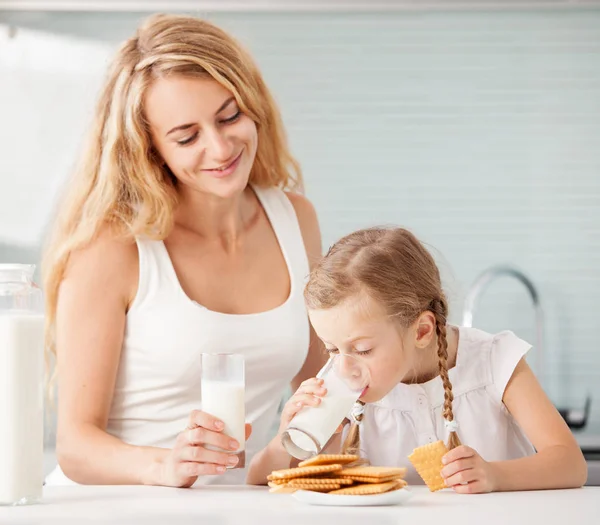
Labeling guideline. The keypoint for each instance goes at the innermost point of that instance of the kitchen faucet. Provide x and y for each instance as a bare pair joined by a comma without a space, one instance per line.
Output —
484,280
574,418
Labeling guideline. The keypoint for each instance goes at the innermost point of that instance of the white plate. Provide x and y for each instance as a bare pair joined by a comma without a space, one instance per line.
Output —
396,497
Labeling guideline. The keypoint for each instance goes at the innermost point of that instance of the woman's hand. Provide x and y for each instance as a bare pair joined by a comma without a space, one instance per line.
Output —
190,458
309,393
467,472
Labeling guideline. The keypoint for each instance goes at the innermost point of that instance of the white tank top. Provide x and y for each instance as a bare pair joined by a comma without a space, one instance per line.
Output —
158,381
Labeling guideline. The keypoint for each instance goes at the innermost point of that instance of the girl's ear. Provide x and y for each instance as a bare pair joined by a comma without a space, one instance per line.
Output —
424,329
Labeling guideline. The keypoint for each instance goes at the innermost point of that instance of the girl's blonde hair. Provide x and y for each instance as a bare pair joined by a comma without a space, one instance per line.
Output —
393,268
120,181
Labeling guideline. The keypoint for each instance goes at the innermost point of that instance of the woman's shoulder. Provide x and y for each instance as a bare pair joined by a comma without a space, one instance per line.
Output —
108,245
108,262
302,206
309,225
303,215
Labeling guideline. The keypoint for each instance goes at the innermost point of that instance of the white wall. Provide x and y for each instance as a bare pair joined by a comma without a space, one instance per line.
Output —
478,130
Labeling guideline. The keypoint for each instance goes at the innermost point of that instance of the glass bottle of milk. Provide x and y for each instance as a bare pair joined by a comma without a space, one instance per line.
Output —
21,386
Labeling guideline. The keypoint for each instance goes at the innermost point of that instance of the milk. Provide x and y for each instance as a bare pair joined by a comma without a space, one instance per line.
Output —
320,421
225,400
21,407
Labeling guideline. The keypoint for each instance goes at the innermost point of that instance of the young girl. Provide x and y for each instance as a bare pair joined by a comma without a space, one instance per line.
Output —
377,295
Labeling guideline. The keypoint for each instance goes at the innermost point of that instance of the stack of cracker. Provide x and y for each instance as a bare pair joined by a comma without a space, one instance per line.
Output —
337,474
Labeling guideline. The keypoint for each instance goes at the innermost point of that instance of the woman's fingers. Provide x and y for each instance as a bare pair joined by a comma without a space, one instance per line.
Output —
192,469
202,436
202,419
203,455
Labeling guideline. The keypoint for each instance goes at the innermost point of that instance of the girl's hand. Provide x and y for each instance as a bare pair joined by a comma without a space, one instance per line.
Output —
189,458
309,393
467,472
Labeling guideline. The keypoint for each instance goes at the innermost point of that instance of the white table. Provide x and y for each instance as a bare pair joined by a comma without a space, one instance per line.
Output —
243,505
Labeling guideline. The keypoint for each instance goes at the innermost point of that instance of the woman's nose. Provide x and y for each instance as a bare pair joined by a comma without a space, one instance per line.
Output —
218,146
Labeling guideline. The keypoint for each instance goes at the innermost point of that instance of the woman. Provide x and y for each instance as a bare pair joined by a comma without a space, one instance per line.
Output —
176,238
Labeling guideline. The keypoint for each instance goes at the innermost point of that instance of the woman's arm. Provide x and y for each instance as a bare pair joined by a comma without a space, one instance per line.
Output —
99,284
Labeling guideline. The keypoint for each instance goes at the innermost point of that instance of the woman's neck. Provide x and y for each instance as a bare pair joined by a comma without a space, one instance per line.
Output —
216,219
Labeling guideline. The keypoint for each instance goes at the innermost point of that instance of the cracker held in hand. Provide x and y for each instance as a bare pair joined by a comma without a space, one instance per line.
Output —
329,459
427,461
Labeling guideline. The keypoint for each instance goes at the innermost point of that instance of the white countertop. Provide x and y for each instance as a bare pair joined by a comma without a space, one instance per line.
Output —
245,505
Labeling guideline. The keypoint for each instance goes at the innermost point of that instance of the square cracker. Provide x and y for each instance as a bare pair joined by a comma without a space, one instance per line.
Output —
369,488
281,489
374,472
366,479
427,461
300,472
329,459
319,481
320,487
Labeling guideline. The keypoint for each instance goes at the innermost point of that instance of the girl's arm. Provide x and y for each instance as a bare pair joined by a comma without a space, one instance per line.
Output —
559,462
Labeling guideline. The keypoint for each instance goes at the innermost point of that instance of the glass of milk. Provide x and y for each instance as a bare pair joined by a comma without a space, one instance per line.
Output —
345,378
223,386
21,386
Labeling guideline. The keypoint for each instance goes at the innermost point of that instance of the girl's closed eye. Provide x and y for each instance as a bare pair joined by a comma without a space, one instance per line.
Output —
332,351
361,351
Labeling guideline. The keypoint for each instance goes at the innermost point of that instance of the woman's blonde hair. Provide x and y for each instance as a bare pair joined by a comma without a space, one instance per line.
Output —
120,181
393,268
